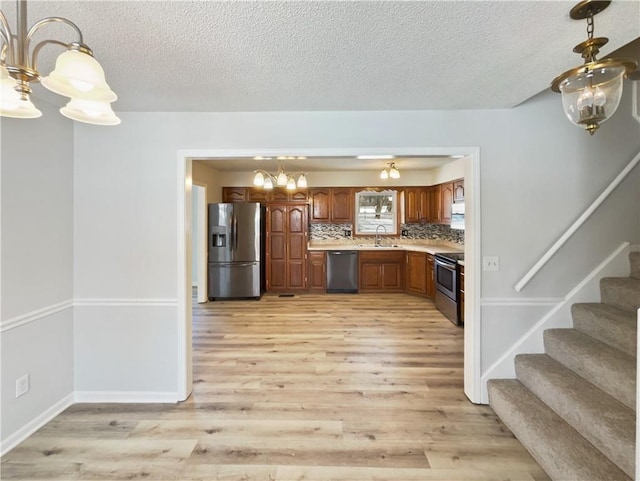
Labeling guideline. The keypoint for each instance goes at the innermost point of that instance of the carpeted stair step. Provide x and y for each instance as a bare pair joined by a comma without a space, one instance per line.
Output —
621,292
634,258
607,324
556,446
610,369
600,419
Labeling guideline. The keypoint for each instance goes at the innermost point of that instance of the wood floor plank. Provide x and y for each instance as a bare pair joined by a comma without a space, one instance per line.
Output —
312,387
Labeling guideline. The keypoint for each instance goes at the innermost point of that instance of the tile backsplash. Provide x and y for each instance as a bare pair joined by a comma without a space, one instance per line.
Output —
413,231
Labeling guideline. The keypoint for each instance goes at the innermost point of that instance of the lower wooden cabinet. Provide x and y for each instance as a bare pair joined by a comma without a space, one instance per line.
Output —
416,270
431,277
420,274
317,271
381,271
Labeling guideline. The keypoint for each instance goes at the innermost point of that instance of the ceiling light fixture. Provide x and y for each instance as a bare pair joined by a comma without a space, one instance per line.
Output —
591,92
390,172
267,181
77,74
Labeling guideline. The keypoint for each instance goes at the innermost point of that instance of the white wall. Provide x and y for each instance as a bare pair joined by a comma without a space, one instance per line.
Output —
37,259
538,173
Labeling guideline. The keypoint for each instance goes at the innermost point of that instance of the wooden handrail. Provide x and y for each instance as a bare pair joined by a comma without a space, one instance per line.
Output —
577,224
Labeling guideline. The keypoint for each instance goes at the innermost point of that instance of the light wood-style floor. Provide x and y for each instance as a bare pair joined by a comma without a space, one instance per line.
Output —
314,387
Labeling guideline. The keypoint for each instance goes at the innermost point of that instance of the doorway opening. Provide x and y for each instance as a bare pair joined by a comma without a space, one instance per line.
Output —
472,331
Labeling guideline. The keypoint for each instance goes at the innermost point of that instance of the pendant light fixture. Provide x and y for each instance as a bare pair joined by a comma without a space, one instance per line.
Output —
390,172
266,180
77,74
591,92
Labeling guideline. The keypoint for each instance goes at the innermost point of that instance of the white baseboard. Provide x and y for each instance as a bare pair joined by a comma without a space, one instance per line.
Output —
31,427
587,290
124,397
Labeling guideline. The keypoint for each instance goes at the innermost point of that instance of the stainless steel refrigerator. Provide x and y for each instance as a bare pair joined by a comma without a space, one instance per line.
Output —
234,250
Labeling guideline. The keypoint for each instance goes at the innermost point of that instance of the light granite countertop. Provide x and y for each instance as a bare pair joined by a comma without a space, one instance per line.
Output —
387,245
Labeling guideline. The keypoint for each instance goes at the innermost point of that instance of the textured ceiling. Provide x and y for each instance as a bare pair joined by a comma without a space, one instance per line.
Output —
325,55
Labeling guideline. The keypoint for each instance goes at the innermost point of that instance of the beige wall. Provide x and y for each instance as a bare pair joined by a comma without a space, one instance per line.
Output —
206,176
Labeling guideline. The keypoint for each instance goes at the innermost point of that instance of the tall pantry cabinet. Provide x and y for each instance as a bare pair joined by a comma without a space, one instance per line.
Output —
286,252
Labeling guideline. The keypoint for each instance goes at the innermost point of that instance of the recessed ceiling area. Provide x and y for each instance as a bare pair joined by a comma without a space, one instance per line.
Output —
323,164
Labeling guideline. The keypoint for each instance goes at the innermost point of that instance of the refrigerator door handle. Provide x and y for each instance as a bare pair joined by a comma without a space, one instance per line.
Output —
234,264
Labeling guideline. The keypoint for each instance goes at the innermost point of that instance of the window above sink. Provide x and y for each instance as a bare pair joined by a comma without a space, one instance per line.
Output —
376,212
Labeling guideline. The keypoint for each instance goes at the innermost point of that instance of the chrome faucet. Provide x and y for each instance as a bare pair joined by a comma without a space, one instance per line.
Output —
378,235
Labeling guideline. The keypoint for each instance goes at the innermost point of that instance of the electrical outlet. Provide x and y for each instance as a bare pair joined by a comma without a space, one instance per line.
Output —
347,232
22,385
405,233
490,263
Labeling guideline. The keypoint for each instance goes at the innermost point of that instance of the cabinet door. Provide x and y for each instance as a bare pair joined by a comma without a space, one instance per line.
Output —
276,255
297,247
256,194
458,191
424,201
342,205
392,276
435,202
279,194
298,196
320,200
317,271
412,205
447,201
370,278
234,194
431,277
416,279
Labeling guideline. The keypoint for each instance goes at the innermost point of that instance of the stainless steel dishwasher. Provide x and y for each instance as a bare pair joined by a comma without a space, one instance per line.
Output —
342,271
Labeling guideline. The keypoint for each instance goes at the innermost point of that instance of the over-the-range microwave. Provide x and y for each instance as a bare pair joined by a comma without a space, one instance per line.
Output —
457,216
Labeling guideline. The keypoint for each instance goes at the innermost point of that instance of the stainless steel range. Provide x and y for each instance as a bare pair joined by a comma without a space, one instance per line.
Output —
447,288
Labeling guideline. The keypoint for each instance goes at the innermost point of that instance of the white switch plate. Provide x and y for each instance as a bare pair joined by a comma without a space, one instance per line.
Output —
22,385
490,263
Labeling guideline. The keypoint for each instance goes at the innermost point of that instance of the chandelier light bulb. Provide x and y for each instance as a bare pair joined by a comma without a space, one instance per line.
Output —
291,184
393,172
599,97
13,105
268,183
384,175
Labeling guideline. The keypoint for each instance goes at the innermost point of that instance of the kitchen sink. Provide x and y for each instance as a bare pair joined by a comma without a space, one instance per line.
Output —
378,246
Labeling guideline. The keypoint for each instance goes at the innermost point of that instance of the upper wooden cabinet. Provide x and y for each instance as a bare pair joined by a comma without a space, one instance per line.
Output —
458,191
234,194
446,194
331,205
257,194
416,205
435,203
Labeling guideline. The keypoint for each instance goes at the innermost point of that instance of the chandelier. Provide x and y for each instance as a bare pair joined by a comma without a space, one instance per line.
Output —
591,92
390,172
77,74
266,180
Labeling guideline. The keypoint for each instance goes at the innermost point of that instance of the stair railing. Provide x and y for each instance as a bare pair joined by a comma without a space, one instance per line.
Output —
577,224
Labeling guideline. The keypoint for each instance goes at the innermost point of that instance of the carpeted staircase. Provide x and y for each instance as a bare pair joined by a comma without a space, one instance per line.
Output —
573,407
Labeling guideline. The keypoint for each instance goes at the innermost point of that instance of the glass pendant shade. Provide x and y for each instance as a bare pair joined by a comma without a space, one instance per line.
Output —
268,183
90,112
384,175
78,74
393,173
282,179
258,179
291,184
302,182
11,104
590,97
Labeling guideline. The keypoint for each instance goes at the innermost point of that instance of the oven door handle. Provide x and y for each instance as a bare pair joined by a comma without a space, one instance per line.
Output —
446,265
